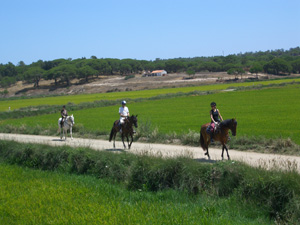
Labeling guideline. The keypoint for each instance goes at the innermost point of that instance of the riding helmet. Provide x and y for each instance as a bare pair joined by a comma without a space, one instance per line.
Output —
213,104
124,102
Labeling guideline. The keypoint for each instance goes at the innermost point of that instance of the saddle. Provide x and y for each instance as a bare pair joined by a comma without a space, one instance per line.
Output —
62,121
211,129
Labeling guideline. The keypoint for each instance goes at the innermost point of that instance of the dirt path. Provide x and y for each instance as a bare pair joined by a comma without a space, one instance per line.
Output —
266,161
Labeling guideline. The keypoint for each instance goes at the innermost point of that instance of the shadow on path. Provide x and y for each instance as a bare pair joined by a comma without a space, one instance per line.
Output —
204,160
115,150
58,140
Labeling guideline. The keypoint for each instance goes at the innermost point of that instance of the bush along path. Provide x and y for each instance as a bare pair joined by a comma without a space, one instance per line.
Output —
276,192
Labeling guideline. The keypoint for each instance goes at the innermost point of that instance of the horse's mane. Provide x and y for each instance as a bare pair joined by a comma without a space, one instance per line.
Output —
226,123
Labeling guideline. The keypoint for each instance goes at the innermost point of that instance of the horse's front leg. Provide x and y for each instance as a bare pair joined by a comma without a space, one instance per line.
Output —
65,134
206,153
114,137
123,140
227,152
71,133
222,155
129,145
131,140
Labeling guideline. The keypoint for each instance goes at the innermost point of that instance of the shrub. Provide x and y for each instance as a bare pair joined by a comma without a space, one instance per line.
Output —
129,77
277,192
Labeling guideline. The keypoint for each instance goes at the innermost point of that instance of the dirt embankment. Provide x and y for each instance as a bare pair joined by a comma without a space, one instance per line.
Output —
104,84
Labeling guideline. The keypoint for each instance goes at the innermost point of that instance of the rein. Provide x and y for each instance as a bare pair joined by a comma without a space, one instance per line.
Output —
66,121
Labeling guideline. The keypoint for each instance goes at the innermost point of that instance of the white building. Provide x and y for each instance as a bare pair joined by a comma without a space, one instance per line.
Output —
159,73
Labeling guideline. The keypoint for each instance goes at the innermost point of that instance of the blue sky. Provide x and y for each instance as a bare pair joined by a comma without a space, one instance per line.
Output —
31,30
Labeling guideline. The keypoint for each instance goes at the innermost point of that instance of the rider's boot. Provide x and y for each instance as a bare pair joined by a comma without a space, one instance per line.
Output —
211,138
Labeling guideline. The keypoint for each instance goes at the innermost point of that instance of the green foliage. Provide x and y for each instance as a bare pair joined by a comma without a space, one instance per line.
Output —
7,81
5,92
277,66
296,66
129,77
41,197
271,192
190,72
236,71
34,75
85,72
256,68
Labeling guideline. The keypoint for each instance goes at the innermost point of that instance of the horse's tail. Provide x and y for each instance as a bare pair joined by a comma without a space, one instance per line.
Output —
111,134
202,143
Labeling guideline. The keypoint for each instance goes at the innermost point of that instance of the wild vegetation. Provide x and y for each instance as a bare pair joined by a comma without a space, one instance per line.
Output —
217,193
57,198
61,71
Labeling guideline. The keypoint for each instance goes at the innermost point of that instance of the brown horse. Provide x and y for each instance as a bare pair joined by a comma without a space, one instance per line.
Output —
126,130
222,135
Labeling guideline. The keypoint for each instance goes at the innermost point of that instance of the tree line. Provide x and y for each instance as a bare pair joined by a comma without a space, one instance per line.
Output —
61,71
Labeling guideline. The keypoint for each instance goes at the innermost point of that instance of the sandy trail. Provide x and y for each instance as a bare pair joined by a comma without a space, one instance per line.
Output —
267,161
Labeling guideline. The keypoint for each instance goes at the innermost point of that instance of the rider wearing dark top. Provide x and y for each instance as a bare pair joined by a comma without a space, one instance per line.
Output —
215,117
64,114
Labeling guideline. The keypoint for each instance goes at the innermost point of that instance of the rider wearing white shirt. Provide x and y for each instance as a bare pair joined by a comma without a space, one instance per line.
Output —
124,113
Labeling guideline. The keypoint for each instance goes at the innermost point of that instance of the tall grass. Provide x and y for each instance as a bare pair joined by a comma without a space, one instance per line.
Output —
274,193
40,197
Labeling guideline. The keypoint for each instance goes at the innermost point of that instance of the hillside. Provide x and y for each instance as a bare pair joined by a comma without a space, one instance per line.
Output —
111,83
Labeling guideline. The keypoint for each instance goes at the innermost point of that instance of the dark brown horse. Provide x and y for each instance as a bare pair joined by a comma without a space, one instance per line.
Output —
126,130
222,135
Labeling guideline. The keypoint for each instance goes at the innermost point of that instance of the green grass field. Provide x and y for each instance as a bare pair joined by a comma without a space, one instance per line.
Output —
62,100
271,112
38,197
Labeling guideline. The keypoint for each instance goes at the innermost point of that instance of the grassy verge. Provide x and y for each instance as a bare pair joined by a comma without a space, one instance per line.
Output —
273,194
40,197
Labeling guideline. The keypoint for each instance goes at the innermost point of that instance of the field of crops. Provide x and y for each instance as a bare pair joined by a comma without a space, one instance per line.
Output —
270,112
62,100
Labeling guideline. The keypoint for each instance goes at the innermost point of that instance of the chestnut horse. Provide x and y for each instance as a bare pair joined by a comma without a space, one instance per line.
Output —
126,130
222,135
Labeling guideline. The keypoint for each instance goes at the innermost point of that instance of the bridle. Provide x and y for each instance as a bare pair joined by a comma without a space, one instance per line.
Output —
66,121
